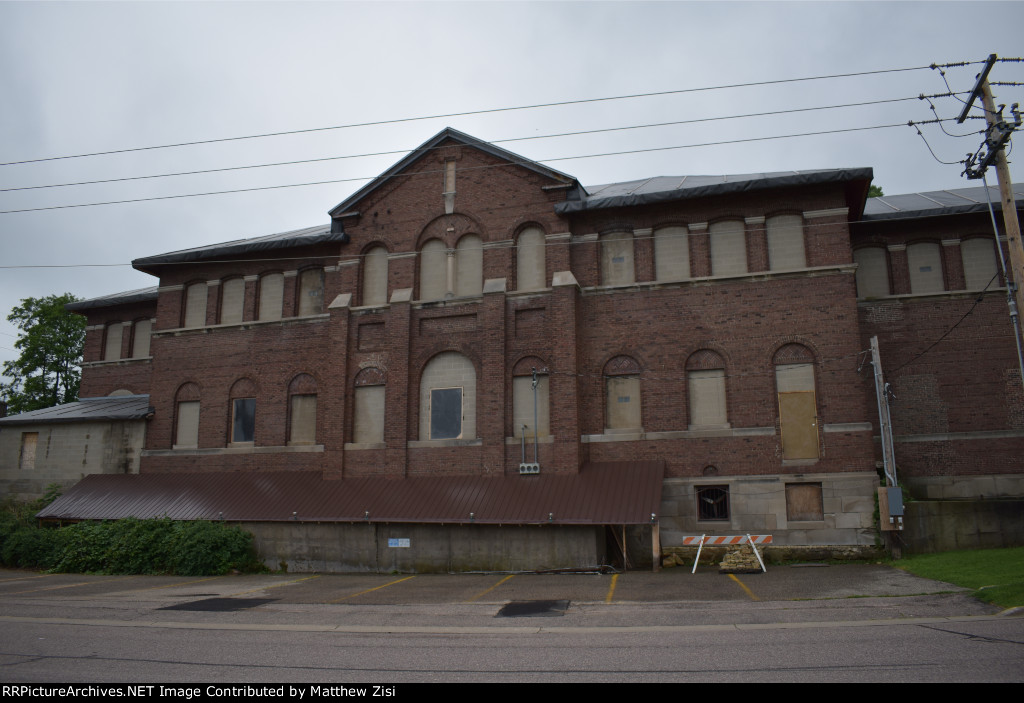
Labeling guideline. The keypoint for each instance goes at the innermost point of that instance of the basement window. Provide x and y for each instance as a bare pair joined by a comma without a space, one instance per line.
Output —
712,502
803,502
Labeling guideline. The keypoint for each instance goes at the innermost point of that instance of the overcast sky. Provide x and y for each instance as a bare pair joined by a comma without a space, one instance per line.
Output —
85,77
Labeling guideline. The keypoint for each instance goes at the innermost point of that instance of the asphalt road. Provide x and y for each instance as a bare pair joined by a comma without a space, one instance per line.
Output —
807,623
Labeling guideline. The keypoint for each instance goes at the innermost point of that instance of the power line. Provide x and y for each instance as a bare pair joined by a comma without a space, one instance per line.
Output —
433,172
495,141
473,112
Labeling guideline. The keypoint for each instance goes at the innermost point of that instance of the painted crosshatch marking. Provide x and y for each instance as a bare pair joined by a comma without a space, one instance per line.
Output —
445,413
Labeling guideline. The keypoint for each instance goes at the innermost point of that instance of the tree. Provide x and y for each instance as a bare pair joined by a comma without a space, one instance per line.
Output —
875,192
48,371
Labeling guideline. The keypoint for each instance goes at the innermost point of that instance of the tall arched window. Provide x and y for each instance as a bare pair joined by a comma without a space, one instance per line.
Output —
243,412
924,259
469,266
232,301
186,416
113,335
311,292
617,268
375,276
194,309
271,296
979,257
705,379
728,248
798,414
672,253
142,332
302,393
368,423
433,270
622,394
530,260
448,398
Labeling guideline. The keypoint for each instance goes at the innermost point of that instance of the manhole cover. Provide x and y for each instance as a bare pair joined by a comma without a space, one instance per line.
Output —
534,609
220,605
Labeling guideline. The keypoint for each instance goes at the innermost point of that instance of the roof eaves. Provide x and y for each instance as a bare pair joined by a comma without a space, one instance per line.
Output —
132,296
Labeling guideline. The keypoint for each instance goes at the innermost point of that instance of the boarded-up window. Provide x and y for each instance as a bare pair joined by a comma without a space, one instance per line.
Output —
523,406
302,428
112,346
728,248
195,305
27,458
187,417
433,270
707,398
622,394
712,502
924,260
617,267
469,266
311,292
672,254
232,301
271,296
797,409
449,413
375,276
368,427
979,256
872,272
803,502
530,260
142,332
243,419
785,242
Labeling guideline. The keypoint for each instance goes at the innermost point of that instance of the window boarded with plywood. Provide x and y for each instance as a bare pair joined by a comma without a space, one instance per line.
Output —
979,257
672,254
375,277
872,272
707,398
368,426
187,432
232,301
195,305
143,333
302,428
617,267
469,266
112,347
797,411
433,275
785,242
530,260
29,442
803,502
271,296
311,292
728,248
924,260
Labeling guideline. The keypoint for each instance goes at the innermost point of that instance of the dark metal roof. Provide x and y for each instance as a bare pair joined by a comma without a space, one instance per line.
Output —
661,189
425,147
600,494
132,296
936,202
270,242
118,407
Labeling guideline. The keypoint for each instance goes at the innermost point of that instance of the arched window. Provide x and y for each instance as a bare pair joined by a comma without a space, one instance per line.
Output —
142,332
872,272
728,241
302,393
705,379
368,425
622,394
311,292
271,296
194,311
617,267
979,257
530,260
112,341
469,266
924,259
523,398
375,276
448,398
186,416
433,270
785,235
243,412
798,414
672,253
232,301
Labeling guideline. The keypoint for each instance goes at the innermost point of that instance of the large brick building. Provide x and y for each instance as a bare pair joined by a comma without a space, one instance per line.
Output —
696,339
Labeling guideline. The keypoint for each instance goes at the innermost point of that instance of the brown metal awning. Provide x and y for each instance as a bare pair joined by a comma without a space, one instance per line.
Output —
619,493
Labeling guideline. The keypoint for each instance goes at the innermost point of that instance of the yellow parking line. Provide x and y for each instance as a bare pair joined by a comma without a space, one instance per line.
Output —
743,586
484,593
368,590
611,589
276,585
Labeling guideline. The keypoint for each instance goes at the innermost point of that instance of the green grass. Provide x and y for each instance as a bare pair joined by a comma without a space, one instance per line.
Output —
997,575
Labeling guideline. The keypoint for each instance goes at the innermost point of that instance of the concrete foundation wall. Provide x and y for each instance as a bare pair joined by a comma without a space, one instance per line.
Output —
339,548
943,525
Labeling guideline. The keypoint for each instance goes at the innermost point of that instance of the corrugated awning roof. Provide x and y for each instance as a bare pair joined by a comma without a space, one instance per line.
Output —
663,189
936,202
600,494
107,408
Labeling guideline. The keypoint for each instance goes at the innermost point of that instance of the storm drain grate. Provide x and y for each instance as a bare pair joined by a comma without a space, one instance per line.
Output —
534,609
220,605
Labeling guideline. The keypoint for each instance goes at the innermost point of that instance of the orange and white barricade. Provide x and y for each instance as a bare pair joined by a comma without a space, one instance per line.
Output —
723,540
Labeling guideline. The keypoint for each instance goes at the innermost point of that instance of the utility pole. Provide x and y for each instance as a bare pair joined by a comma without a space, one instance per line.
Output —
890,497
996,136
